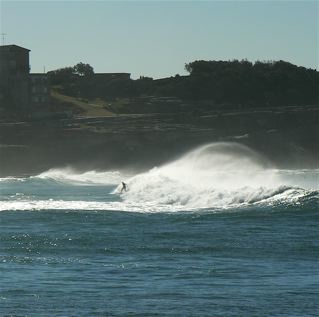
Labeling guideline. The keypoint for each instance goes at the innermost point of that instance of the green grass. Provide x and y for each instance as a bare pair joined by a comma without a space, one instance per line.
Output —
89,108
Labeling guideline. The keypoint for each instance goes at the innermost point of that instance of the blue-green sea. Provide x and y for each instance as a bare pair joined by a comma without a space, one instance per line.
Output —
218,232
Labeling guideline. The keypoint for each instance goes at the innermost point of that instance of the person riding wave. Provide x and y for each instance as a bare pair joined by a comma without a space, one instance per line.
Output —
124,187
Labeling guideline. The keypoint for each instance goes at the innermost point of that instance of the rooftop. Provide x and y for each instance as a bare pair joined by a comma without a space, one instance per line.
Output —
13,48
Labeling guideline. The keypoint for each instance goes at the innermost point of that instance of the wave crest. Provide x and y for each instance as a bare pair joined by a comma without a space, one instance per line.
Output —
217,175
69,175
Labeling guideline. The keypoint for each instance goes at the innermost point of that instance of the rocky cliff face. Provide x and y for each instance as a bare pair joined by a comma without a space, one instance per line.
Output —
287,136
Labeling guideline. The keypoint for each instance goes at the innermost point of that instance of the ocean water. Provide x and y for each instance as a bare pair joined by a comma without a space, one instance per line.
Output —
218,232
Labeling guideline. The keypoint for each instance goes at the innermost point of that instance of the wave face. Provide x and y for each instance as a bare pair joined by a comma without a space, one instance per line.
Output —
69,175
216,176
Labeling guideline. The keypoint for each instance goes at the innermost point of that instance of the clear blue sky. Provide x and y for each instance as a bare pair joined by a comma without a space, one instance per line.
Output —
157,38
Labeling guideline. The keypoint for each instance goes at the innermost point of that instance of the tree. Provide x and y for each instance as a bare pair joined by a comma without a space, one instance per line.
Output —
61,75
83,70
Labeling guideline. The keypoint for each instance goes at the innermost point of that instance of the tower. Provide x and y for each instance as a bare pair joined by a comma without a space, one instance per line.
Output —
14,76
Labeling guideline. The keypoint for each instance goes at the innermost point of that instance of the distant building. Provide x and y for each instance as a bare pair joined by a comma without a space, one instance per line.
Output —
40,91
21,89
14,75
17,86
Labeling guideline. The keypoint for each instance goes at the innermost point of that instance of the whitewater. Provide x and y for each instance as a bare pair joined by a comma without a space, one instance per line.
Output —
217,176
218,231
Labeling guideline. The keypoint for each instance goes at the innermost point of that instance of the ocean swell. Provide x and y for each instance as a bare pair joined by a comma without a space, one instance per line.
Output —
216,176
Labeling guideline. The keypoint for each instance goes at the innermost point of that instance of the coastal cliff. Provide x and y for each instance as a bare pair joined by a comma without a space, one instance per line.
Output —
108,121
287,136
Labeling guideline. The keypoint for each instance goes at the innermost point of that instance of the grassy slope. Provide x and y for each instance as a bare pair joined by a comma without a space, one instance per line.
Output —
89,109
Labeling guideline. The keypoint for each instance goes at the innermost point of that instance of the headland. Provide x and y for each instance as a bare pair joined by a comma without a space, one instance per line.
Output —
75,117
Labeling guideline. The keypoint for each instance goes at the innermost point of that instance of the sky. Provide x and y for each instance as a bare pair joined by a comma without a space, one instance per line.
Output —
156,38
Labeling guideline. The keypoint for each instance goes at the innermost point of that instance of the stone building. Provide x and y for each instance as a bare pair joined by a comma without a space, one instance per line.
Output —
18,87
14,75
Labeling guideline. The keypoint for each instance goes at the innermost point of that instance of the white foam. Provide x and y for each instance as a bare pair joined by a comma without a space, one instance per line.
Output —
214,176
218,175
51,204
12,179
69,175
214,202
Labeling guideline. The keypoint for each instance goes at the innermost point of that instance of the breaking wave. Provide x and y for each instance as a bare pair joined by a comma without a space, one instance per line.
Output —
218,175
215,176
69,175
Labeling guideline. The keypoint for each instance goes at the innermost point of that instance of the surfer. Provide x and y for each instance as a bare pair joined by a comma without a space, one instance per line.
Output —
124,187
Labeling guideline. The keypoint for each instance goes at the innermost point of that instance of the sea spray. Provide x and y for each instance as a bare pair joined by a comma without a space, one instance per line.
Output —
70,175
213,175
216,176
